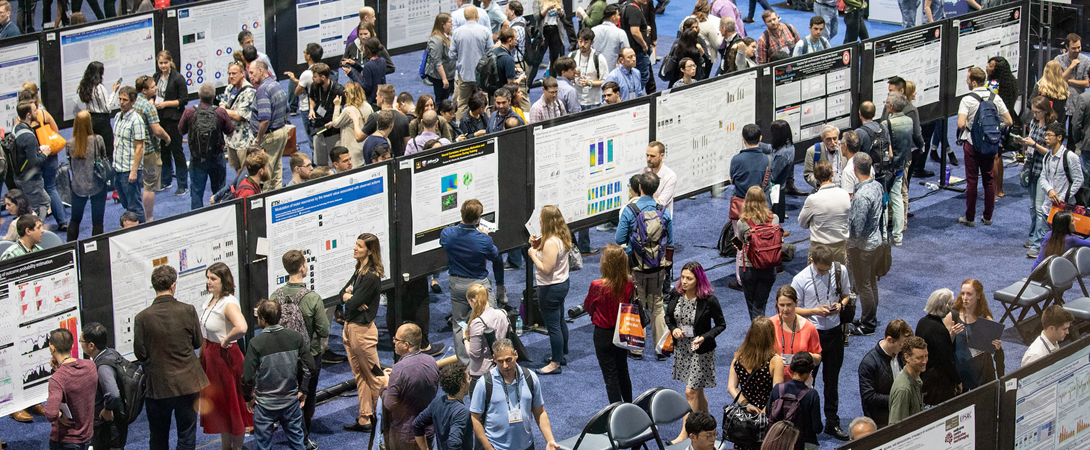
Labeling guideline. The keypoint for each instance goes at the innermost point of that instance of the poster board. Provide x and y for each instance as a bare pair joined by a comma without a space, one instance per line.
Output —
208,36
409,22
20,61
1046,405
39,292
326,22
125,46
915,55
582,165
443,180
813,90
980,36
135,253
700,136
323,218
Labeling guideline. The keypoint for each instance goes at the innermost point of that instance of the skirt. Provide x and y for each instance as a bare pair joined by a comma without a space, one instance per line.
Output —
222,408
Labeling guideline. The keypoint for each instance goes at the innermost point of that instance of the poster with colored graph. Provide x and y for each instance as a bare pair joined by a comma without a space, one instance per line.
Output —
209,36
443,181
701,142
37,296
954,432
1053,406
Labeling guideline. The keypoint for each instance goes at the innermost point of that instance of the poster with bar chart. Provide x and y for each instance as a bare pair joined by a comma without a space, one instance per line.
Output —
916,56
443,181
125,47
1053,406
37,296
583,166
700,143
998,33
813,91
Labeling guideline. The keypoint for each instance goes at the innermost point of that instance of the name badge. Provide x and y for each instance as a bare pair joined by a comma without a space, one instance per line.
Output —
687,330
320,111
787,358
514,415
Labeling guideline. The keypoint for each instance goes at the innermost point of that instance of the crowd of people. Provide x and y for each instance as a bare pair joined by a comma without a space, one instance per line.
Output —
856,205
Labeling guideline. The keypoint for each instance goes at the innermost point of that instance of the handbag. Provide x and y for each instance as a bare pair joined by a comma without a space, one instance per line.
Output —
737,202
46,136
575,259
628,334
742,427
103,169
290,145
883,261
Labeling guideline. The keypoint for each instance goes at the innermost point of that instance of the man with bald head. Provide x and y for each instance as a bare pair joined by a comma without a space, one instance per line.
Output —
468,43
429,123
460,16
367,15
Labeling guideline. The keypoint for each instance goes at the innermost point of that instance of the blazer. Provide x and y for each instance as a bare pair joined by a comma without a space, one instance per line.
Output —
366,289
164,338
176,89
941,379
875,381
708,312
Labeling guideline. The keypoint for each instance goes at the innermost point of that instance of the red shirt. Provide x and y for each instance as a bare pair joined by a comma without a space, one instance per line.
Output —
247,188
602,306
74,384
804,340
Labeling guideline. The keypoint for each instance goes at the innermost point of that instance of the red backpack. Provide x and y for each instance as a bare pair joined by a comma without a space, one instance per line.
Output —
763,248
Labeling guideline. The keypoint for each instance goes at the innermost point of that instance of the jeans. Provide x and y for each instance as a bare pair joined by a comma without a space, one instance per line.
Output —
53,445
753,7
613,361
649,294
934,132
293,100
312,393
110,435
756,286
832,357
831,16
201,172
159,410
550,299
1041,205
582,240
131,194
857,28
515,258
978,166
866,285
909,9
309,129
897,205
174,158
290,419
1033,224
49,177
643,63
98,211
440,93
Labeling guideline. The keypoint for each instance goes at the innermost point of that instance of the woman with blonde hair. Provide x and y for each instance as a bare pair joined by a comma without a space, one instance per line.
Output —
350,119
1053,86
361,297
756,283
709,28
82,150
440,66
483,319
603,304
549,253
756,368
976,367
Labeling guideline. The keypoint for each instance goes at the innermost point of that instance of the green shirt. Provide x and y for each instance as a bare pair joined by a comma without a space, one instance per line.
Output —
594,13
314,317
852,5
905,397
18,250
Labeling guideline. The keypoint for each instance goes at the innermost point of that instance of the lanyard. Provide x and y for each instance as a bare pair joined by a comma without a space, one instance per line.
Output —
828,287
586,64
783,345
518,392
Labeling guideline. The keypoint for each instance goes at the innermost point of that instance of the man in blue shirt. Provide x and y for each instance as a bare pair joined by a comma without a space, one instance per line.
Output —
7,26
502,111
565,67
648,277
626,75
749,166
502,421
469,248
448,414
468,43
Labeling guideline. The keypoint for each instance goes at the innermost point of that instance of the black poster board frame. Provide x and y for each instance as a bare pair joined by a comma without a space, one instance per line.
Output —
1008,398
926,113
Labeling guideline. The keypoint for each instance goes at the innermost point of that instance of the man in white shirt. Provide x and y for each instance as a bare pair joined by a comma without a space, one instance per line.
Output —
459,18
1060,180
656,152
1057,321
849,146
591,69
312,55
609,38
977,165
467,44
825,214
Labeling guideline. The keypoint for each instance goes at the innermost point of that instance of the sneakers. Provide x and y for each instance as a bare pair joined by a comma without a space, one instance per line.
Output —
592,252
311,445
606,227
969,223
1027,244
180,192
987,222
1033,253
328,357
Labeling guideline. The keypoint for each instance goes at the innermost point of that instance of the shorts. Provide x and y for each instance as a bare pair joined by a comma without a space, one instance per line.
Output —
236,157
153,168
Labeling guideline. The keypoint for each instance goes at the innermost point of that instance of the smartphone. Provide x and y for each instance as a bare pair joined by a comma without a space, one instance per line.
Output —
1016,136
119,80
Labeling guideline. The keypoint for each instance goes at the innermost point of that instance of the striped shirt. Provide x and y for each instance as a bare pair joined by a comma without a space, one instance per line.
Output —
271,104
541,111
128,128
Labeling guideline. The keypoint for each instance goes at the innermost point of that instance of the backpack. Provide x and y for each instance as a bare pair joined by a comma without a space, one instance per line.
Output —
763,248
15,161
205,139
725,246
787,406
593,56
488,73
768,49
132,384
1080,197
291,315
882,164
231,191
647,238
986,137
487,378
423,66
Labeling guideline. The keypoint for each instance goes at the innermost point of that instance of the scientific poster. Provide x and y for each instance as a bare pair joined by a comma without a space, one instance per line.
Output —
126,47
442,182
18,64
409,22
190,244
323,220
209,35
998,33
583,166
814,91
325,22
36,297
954,432
701,143
914,55
1053,406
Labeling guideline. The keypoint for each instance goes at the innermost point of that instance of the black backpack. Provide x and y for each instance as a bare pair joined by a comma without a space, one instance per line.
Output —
882,164
132,384
230,192
488,76
205,139
487,378
15,161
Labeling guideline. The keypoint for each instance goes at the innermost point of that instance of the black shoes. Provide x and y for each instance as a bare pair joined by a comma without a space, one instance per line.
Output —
328,357
923,174
180,192
952,158
435,350
794,191
836,432
660,9
747,20
355,426
734,285
857,330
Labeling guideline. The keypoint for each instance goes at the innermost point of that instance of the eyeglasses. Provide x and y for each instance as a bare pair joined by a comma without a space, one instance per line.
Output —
1050,134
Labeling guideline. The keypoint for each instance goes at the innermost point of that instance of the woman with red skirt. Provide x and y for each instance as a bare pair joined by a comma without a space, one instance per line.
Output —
223,411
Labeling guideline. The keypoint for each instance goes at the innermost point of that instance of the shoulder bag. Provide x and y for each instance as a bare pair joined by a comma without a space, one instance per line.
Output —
741,426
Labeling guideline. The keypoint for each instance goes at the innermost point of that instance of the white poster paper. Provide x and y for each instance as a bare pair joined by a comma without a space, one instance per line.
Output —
993,34
1053,406
125,47
37,296
209,35
443,181
814,91
583,166
18,64
189,244
700,142
409,22
323,220
915,56
954,432
325,22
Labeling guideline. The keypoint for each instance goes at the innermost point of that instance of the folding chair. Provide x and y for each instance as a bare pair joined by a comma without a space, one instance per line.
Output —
595,435
1024,294
1080,307
665,407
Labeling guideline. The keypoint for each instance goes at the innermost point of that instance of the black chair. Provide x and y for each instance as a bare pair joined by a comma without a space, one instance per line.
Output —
595,435
1025,294
1080,307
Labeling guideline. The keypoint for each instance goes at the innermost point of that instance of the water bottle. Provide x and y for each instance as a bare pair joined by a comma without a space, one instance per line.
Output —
931,186
518,325
947,179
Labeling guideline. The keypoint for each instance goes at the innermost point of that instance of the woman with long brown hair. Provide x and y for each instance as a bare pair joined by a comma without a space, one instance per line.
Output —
361,298
171,92
756,368
482,319
549,253
440,67
350,118
1043,116
756,283
603,303
223,410
976,367
82,150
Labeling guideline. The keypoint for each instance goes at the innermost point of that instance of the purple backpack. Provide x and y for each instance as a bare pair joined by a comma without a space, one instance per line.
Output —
786,406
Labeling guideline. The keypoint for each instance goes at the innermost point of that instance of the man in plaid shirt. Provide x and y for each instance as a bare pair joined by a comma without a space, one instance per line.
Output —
129,137
779,36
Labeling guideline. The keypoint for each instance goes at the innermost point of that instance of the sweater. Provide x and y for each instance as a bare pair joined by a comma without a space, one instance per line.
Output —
875,381
74,384
905,398
277,363
602,307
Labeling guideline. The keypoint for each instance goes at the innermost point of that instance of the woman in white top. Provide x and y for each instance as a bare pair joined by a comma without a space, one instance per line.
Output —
224,411
482,318
93,97
350,119
709,28
549,253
